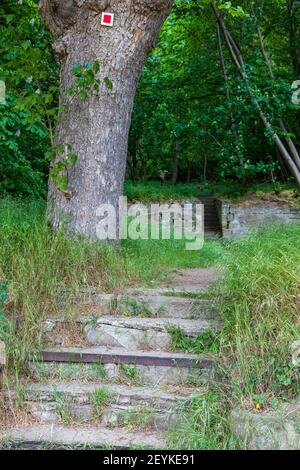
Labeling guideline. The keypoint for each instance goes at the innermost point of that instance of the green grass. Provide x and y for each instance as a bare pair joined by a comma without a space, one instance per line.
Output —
63,409
235,189
205,427
207,342
153,191
259,303
139,418
130,373
100,400
261,312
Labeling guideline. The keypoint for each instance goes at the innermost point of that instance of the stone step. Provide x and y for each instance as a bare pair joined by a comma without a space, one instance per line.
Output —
63,437
213,234
118,366
129,333
105,404
144,333
148,303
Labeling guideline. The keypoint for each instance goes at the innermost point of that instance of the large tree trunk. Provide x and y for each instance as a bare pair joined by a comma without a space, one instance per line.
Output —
97,129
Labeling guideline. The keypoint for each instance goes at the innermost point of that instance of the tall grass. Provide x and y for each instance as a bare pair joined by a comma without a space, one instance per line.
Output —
206,426
261,312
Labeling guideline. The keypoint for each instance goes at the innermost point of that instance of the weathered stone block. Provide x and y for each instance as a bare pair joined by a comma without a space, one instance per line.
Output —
238,219
278,430
2,354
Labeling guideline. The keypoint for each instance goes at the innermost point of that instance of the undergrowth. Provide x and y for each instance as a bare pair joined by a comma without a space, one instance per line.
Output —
259,302
261,312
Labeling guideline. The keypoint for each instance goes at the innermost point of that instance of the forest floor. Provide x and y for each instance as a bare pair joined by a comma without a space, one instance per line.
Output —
257,296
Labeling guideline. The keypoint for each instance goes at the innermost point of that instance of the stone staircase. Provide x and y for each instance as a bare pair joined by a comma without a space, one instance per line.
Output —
111,378
212,226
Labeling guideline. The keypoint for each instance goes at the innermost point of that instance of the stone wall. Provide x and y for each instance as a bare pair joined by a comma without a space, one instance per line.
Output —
238,219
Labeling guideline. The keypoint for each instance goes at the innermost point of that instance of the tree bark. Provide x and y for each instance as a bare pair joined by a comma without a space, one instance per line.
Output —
97,128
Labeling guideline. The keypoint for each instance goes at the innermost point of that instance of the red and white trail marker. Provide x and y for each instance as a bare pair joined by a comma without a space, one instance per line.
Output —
107,19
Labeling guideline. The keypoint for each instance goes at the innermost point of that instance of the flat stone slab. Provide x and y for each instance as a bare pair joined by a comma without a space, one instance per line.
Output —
121,394
192,280
130,333
55,436
153,376
49,402
2,354
154,303
144,333
189,327
274,430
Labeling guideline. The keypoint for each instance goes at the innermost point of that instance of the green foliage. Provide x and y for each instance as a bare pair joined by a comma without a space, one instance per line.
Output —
183,108
184,100
27,119
207,342
100,400
87,81
130,372
60,167
152,191
4,322
155,192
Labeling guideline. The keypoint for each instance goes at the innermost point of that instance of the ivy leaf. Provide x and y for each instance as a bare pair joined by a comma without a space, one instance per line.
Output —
108,83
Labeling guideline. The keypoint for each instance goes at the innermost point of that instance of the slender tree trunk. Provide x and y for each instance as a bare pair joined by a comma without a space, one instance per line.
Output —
143,170
97,129
176,164
205,169
130,167
225,76
283,127
189,172
294,33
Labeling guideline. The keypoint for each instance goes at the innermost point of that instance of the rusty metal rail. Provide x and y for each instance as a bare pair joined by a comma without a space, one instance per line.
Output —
107,358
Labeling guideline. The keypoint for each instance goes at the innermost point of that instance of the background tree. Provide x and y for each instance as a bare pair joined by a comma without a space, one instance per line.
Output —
213,147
